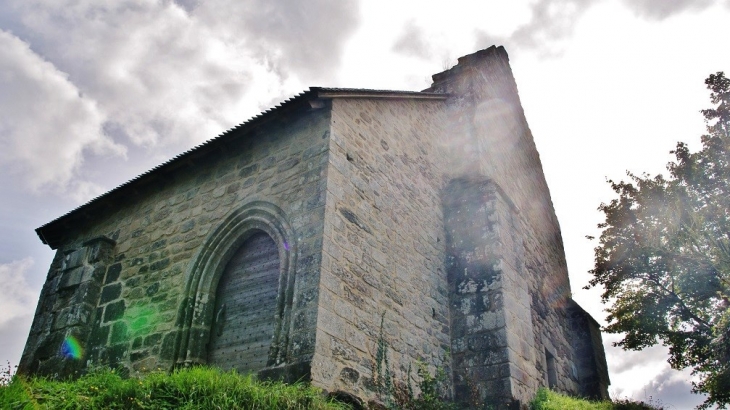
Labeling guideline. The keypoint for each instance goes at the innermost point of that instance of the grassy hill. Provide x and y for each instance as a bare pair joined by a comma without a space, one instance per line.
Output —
196,388
550,400
206,388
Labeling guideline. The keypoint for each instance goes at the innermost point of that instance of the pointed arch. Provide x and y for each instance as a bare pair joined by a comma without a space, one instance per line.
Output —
195,316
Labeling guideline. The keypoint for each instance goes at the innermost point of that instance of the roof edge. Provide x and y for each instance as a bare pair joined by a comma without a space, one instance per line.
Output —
300,100
385,94
255,121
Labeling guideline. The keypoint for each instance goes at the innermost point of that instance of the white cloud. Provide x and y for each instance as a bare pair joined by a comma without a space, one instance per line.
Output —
669,389
19,298
666,388
289,36
169,75
46,125
158,74
645,375
412,41
661,9
553,22
80,80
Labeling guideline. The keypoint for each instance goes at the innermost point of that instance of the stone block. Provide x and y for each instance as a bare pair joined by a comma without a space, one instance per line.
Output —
138,355
110,293
116,355
160,264
152,340
114,311
75,315
99,336
75,276
167,351
120,333
153,289
349,375
74,259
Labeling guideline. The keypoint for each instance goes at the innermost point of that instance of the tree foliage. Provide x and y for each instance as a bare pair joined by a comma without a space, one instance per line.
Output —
664,255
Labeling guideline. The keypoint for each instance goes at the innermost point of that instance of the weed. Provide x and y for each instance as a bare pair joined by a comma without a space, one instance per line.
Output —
396,394
7,373
382,378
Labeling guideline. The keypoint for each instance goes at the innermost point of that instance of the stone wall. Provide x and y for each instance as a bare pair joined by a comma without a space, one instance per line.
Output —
383,244
590,357
485,114
161,228
490,334
65,317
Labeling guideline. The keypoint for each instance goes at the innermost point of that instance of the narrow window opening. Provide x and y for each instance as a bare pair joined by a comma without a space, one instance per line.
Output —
552,375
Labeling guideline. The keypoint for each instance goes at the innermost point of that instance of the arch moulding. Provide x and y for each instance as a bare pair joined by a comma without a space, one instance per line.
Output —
195,316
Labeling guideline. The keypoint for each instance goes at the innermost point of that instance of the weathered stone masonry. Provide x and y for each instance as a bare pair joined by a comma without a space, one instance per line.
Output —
336,210
151,306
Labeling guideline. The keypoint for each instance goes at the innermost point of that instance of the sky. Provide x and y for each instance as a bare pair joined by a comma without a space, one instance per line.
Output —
93,93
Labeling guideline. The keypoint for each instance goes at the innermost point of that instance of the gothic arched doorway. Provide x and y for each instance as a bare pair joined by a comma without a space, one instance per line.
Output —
239,293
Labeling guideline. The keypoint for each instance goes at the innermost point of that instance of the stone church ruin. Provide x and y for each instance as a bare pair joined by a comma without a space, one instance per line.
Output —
280,247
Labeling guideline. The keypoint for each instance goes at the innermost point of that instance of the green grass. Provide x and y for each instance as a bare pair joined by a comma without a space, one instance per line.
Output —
196,388
546,399
207,388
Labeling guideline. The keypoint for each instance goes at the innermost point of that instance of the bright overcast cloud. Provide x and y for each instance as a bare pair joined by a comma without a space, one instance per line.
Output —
93,93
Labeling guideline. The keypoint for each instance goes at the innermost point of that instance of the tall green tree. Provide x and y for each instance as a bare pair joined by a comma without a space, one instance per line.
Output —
663,257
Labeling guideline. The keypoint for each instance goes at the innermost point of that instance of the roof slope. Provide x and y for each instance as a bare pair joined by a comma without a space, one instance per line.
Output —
50,233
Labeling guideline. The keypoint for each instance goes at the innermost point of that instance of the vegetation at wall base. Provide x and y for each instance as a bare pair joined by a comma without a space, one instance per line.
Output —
195,388
546,399
209,388
400,395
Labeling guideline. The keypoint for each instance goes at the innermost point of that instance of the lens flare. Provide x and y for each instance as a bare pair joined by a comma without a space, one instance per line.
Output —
71,348
142,319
